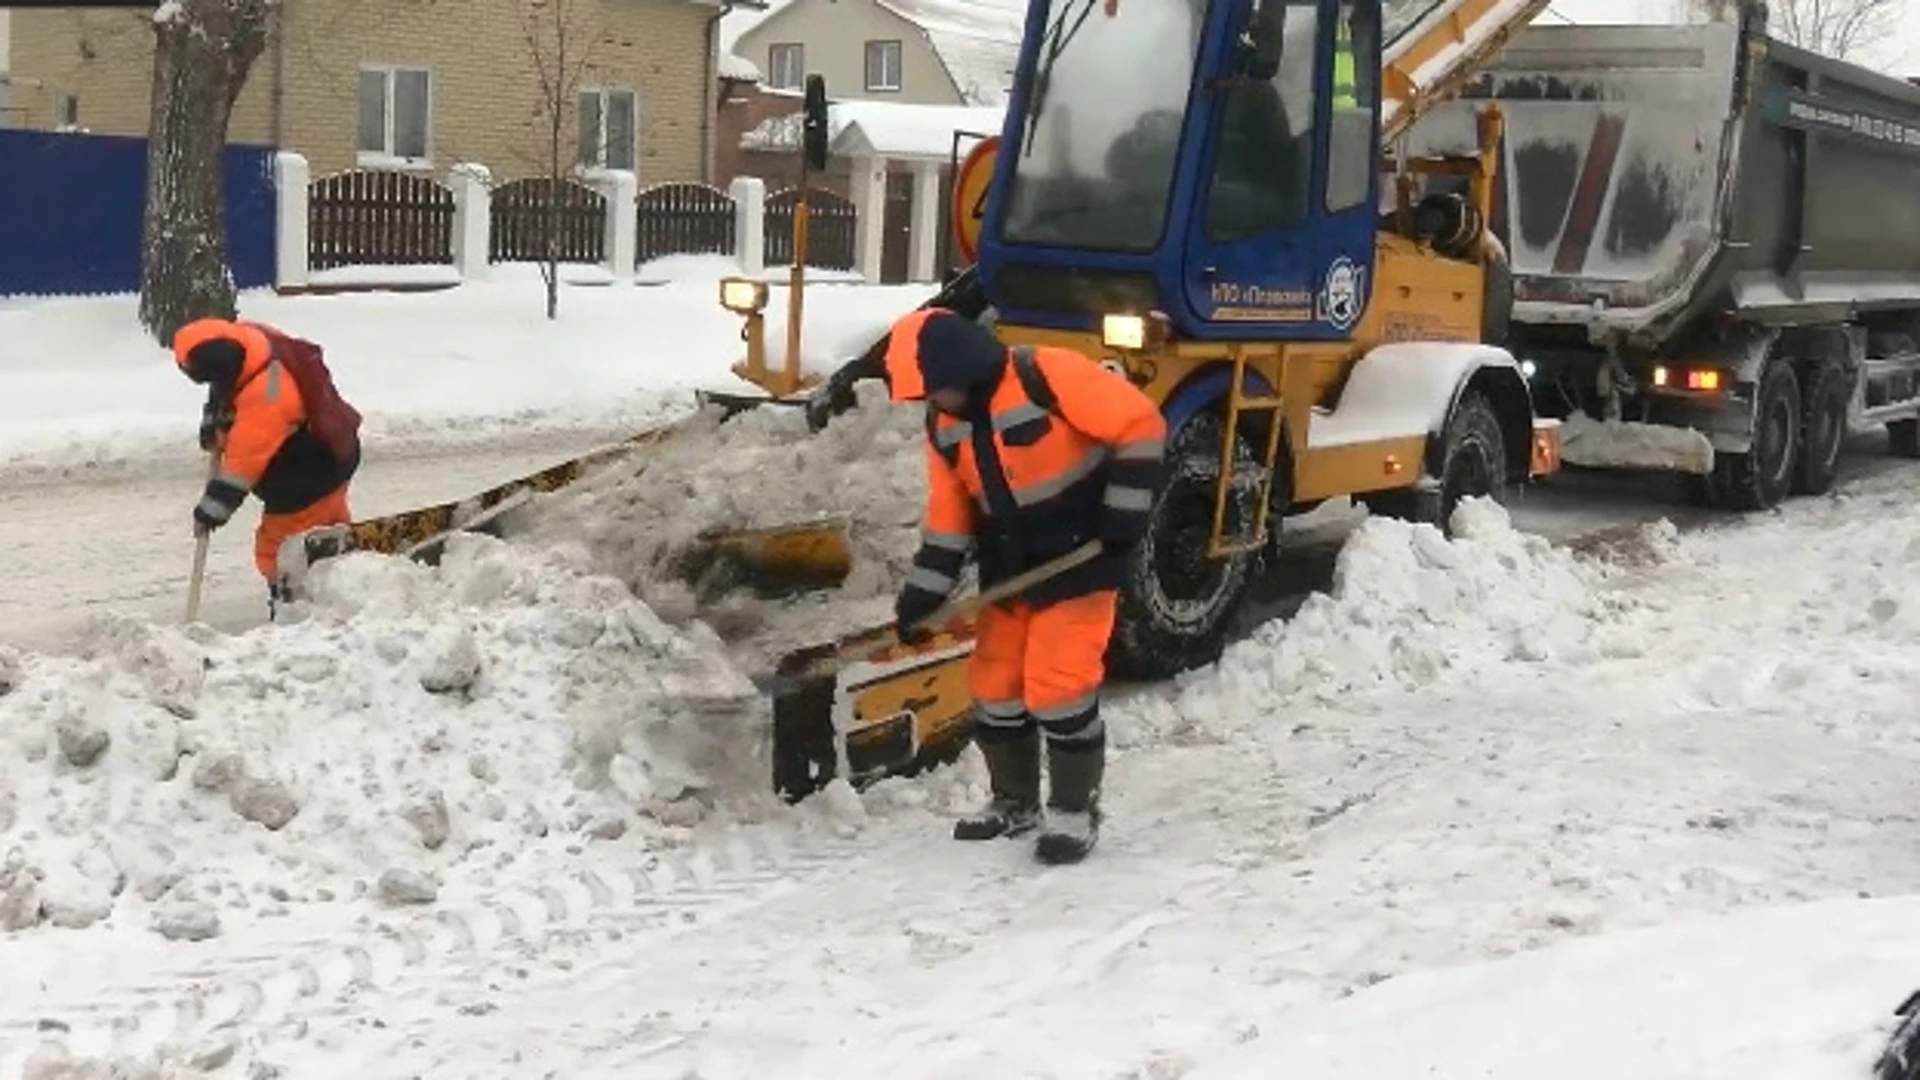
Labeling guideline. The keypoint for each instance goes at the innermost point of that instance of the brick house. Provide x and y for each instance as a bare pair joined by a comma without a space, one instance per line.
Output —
915,52
387,84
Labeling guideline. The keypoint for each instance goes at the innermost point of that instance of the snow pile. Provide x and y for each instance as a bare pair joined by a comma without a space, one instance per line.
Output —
1408,608
412,717
643,517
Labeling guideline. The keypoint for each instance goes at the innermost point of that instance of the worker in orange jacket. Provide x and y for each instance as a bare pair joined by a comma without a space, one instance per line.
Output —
1030,454
283,432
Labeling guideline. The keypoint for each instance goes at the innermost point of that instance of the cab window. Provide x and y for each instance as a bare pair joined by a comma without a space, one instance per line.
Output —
1262,166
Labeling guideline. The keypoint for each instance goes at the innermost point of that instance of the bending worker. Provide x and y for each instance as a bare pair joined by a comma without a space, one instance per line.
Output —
283,431
1030,454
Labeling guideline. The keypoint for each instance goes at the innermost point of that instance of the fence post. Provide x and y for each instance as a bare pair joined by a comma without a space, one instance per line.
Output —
291,177
870,221
622,190
749,223
472,218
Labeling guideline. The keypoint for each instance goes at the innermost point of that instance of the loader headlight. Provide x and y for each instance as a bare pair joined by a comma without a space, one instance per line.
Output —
742,296
1134,332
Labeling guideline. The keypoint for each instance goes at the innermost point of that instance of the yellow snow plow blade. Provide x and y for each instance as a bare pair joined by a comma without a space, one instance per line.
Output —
770,560
775,560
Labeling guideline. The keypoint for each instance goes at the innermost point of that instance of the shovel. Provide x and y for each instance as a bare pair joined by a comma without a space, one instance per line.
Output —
916,702
201,538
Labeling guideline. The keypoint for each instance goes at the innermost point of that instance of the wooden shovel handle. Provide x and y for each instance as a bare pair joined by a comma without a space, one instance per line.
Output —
968,606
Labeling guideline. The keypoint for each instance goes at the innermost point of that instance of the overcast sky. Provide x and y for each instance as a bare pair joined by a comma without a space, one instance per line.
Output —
1899,56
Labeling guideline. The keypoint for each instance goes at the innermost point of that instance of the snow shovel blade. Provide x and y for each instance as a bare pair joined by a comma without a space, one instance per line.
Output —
899,713
773,561
895,708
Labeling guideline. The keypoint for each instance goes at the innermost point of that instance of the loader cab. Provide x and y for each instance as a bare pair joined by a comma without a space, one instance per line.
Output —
1211,159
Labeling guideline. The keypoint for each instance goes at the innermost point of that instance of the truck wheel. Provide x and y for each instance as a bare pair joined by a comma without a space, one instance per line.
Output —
1177,605
1763,476
1823,432
1473,461
1903,438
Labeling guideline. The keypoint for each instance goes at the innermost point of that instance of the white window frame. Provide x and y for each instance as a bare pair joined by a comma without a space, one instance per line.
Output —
600,167
386,159
800,65
882,48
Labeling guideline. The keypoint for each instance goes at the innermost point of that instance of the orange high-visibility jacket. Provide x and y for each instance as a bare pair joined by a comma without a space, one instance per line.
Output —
1027,480
270,449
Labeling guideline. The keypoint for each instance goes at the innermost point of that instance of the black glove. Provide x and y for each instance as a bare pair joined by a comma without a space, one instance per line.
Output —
913,606
833,397
204,522
215,419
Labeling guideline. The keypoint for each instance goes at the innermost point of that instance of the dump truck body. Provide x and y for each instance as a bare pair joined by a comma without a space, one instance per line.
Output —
1686,208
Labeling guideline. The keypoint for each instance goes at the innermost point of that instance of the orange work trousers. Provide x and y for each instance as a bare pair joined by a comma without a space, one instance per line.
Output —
1043,665
331,509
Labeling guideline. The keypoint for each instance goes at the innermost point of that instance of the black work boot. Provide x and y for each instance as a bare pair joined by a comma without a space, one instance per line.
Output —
1075,769
1013,774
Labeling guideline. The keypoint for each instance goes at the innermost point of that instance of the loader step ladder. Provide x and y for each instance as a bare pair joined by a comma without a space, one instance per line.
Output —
1220,546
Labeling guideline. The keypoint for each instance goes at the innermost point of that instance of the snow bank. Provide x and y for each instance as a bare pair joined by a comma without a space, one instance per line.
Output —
413,718
761,468
81,385
1407,608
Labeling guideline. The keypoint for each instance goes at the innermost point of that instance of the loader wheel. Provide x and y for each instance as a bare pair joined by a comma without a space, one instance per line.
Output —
1763,476
1177,606
1823,431
1473,462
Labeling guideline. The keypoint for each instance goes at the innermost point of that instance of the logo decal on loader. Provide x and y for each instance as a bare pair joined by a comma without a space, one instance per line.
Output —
1340,296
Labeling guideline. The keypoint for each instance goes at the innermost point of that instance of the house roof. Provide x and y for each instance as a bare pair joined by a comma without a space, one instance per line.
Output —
977,41
885,129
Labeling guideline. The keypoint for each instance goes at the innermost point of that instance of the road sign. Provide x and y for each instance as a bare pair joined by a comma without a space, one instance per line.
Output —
969,206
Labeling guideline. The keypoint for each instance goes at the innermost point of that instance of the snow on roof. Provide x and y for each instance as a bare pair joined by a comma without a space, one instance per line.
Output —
882,129
741,19
977,40
738,67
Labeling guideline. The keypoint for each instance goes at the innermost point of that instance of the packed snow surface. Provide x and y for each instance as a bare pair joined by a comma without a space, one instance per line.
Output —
1464,752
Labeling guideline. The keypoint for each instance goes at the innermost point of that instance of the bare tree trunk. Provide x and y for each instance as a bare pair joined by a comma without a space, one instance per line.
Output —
554,180
203,50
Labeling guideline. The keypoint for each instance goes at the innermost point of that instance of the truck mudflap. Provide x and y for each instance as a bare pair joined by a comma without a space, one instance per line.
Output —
1626,444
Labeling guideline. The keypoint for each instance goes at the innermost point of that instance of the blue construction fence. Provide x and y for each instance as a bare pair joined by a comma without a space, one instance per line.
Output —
71,207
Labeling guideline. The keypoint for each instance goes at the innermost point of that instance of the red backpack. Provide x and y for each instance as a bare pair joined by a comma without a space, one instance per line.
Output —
329,418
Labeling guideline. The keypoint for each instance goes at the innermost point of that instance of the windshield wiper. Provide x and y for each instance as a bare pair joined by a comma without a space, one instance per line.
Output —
1052,45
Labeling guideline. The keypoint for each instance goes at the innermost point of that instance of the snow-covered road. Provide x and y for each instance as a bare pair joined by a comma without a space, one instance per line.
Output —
1467,751
78,546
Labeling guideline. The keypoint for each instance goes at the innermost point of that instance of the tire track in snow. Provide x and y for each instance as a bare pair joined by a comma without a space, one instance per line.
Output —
259,1001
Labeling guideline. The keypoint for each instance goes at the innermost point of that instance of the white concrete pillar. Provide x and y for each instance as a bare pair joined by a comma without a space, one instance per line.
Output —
870,221
749,223
472,217
622,189
924,246
292,178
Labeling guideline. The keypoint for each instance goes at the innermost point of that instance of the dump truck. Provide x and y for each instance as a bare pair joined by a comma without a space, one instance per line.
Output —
1715,245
